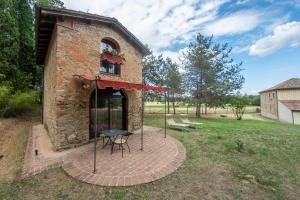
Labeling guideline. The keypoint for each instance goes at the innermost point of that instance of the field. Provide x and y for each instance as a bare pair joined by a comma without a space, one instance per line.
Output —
157,108
266,167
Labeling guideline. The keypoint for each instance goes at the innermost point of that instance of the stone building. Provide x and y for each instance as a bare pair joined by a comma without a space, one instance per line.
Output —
282,102
76,43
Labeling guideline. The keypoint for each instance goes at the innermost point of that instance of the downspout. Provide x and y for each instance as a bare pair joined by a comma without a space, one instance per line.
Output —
43,93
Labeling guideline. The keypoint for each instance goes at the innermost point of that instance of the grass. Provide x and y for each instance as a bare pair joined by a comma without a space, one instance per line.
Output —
270,156
267,166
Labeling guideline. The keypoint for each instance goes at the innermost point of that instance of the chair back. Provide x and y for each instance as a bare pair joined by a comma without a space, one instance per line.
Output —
171,121
126,136
185,120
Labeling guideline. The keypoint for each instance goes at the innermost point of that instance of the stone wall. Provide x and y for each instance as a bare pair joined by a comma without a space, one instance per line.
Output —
268,102
78,52
49,104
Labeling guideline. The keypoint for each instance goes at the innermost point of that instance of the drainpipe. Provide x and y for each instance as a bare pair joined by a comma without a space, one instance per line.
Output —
95,124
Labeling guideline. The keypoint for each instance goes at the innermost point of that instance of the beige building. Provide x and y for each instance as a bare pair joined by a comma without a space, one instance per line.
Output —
76,43
282,102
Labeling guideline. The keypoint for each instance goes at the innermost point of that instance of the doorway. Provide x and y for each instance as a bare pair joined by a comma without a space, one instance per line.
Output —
111,110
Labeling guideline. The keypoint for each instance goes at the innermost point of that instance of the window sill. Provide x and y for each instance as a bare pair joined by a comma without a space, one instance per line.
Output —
110,74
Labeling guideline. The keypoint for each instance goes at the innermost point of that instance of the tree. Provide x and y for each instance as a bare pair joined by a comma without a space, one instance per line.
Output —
17,62
238,104
173,80
51,3
153,70
9,42
211,75
26,45
162,72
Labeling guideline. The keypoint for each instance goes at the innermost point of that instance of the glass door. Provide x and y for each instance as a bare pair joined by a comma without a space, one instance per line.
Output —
111,110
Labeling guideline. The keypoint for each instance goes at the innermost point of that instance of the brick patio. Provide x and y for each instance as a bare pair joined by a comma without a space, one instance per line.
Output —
161,157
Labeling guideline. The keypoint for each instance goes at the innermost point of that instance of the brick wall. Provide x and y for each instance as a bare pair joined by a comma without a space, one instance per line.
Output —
77,51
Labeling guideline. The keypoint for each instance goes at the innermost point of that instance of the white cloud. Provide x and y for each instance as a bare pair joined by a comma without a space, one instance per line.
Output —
236,23
242,1
285,35
240,49
176,56
157,23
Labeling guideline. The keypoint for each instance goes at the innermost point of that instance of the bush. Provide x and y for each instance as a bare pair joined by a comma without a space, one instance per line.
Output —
21,102
239,145
4,97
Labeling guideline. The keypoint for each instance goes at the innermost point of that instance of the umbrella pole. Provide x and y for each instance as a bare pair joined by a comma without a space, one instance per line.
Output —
95,125
165,114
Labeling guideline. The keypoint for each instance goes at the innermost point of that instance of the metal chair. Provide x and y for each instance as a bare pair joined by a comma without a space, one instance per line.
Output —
121,140
101,135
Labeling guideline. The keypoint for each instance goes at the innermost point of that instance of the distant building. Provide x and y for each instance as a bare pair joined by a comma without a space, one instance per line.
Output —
282,102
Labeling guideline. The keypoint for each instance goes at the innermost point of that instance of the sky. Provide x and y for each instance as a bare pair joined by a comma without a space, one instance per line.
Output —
264,34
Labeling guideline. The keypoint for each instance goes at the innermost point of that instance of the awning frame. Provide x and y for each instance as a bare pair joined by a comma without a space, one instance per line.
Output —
102,83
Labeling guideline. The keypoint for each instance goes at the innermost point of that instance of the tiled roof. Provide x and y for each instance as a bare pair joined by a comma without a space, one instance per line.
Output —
291,104
293,83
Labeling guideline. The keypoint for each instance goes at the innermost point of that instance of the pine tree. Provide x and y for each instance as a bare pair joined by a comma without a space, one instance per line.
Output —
211,74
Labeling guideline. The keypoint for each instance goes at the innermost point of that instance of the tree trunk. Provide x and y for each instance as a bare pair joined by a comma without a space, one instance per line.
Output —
168,100
198,109
173,103
198,103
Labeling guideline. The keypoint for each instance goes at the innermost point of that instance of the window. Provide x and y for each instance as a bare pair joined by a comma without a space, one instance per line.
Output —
109,45
108,66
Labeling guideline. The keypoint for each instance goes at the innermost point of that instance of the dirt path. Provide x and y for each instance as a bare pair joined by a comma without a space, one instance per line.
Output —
13,136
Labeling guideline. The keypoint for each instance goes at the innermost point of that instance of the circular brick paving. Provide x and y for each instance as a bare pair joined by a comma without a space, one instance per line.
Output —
160,157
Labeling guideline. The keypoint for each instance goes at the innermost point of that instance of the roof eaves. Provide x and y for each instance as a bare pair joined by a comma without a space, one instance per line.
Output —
94,17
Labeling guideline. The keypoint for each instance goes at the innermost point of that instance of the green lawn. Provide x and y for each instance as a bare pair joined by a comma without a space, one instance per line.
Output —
268,167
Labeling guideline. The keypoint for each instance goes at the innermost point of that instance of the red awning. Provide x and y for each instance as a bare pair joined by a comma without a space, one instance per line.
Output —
112,58
118,84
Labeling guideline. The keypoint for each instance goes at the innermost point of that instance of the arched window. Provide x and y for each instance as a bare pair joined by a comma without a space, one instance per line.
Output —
109,65
108,45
